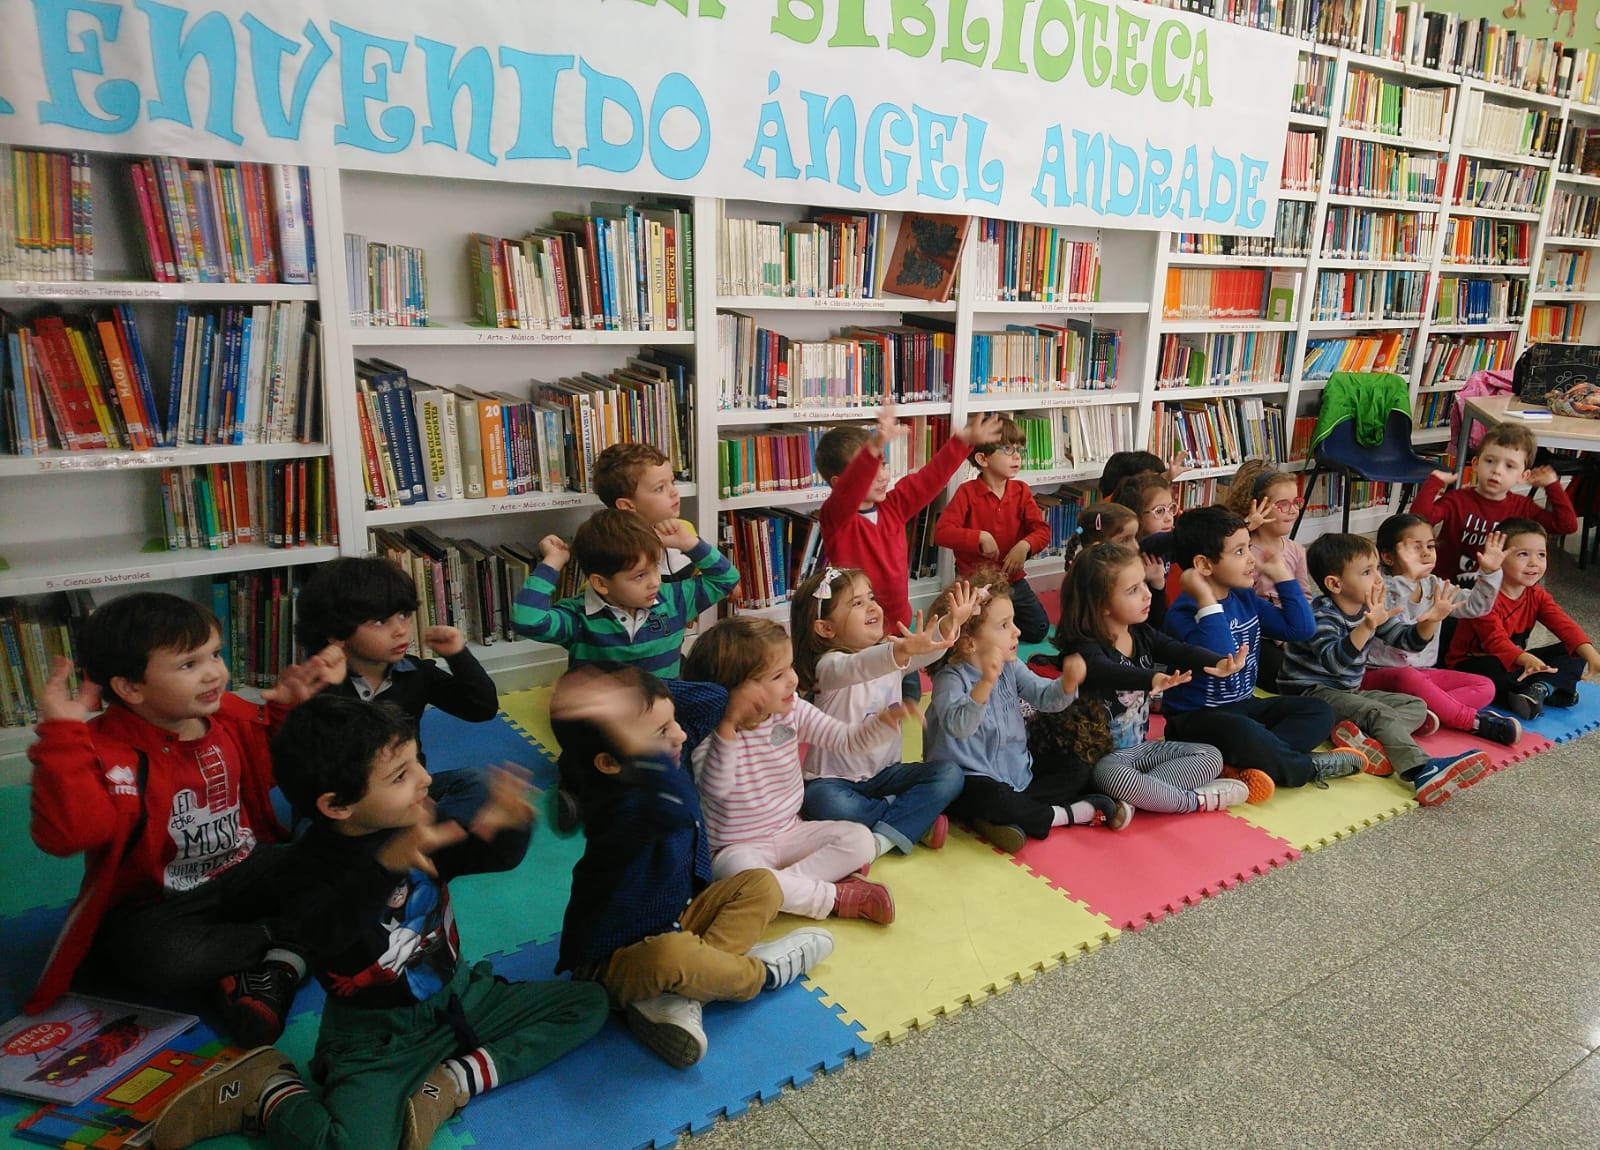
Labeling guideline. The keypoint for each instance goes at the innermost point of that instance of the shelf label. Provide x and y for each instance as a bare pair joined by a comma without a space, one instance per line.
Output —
548,502
108,462
101,579
521,335
30,289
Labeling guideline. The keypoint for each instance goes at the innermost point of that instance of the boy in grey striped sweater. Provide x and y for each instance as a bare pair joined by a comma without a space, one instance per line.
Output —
1350,612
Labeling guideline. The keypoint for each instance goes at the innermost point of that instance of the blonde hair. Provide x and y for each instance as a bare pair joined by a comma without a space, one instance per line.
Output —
806,609
1251,482
734,650
992,586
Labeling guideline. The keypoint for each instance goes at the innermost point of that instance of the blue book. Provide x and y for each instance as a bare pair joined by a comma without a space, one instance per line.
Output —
180,344
241,402
141,371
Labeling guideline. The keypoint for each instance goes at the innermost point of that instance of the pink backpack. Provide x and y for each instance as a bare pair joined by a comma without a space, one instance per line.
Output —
1478,383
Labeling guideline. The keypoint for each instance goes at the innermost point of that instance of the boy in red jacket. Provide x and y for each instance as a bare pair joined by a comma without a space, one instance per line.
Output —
166,792
864,523
994,519
1495,645
1465,516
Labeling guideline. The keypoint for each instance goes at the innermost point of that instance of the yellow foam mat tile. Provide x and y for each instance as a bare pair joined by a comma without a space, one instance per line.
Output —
1311,818
968,923
530,711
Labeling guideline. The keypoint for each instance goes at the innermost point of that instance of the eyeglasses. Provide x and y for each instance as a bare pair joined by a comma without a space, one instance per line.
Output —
1168,509
1006,449
1289,504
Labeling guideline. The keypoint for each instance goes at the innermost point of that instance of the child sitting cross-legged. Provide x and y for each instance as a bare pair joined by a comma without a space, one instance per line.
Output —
1104,604
1496,645
645,919
976,721
410,1033
1350,612
750,782
853,673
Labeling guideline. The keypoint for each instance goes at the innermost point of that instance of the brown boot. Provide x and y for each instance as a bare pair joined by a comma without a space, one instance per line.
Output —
434,1103
226,1099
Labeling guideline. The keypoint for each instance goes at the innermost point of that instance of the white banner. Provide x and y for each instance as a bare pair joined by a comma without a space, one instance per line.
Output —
1065,111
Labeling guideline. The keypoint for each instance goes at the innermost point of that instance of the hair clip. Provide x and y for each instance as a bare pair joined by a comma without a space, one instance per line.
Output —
825,588
1097,521
981,594
1078,530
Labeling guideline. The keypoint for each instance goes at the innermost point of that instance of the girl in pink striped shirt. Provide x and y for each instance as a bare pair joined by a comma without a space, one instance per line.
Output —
748,774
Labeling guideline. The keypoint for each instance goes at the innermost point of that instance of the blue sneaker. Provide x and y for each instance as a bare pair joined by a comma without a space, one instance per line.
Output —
1437,779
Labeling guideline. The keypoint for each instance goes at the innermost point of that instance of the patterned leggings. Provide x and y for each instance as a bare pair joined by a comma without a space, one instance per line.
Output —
1159,776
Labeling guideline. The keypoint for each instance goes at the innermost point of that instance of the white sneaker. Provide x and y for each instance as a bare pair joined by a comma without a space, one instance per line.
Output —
669,1024
794,954
1220,794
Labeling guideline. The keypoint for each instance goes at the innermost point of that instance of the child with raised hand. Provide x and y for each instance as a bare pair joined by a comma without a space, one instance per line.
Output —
976,721
1496,645
1269,501
1465,516
750,781
626,614
167,794
410,1033
1123,464
645,919
1456,699
1151,497
852,672
366,608
638,477
1350,612
994,519
1105,603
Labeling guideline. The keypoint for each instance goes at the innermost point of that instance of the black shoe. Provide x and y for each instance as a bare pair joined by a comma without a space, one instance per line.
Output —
1528,700
1562,697
1498,728
255,1003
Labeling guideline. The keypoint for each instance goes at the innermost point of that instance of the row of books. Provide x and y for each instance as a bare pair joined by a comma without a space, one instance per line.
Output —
1375,103
1222,359
775,551
858,367
1037,263
1291,236
765,461
1573,216
1300,434
1062,508
1452,358
1218,432
1555,323
622,267
1369,295
1378,234
280,502
388,283
46,215
1379,351
1506,129
1229,293
1302,161
423,442
1313,83
1075,437
832,255
240,374
210,221
1328,494
1366,168
1486,184
1565,271
1433,409
1463,299
1045,357
1483,240
1191,493
1580,151
34,632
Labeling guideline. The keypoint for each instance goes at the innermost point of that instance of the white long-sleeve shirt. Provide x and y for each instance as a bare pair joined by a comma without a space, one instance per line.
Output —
853,686
1400,595
750,786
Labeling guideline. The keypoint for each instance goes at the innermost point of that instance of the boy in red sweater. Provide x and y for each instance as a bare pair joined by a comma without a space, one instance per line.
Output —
994,519
166,794
1465,517
864,523
1495,645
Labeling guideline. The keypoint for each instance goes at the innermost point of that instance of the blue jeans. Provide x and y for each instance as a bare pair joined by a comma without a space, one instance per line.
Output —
900,802
1031,619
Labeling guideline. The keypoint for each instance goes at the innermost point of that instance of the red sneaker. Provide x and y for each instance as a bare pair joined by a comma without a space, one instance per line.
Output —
937,833
855,897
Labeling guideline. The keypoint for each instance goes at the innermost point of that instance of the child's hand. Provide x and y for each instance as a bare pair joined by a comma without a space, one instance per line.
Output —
1593,669
1377,608
745,708
1015,558
299,681
1260,513
925,639
990,661
1230,665
1273,566
963,606
980,429
1445,598
1493,553
1445,477
553,552
1160,682
677,534
1155,571
1073,671
895,713
987,547
1174,470
412,848
1196,587
445,641
509,806
1543,476
55,704
1531,664
889,429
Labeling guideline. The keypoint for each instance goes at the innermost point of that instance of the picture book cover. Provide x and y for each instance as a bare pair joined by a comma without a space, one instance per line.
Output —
123,1115
80,1045
926,253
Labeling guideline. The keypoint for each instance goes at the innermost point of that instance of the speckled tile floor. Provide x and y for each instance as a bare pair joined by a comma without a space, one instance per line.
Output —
1431,982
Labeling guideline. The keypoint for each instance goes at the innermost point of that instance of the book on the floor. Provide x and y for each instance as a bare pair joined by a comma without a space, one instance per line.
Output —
81,1045
124,1113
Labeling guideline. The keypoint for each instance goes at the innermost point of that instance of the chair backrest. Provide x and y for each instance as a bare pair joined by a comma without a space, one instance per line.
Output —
1364,398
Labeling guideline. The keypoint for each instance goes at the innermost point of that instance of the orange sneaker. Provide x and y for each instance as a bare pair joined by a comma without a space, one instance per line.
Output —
1259,783
1352,738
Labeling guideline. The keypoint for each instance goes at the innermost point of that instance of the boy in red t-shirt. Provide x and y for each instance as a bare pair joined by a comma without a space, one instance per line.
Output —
864,522
166,792
994,519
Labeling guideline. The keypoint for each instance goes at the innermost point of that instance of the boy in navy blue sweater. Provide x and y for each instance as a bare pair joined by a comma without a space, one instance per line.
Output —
1220,611
645,920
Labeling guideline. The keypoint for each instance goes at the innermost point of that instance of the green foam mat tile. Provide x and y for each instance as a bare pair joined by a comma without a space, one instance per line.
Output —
33,878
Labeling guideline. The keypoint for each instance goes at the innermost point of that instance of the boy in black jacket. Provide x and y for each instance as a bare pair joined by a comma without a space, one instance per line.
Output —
409,1033
645,920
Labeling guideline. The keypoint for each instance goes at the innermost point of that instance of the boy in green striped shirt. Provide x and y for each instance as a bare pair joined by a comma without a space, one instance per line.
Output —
626,614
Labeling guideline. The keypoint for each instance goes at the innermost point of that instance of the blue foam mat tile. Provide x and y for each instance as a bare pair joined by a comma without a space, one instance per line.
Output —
452,743
1563,724
756,1049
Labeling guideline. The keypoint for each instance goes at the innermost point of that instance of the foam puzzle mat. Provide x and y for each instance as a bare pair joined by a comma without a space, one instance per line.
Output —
1563,724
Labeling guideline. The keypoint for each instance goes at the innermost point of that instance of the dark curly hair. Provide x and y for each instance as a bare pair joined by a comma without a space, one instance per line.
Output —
1066,744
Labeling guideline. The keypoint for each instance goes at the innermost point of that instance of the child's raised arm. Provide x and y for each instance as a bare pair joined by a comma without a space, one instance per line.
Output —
72,806
819,729
533,613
